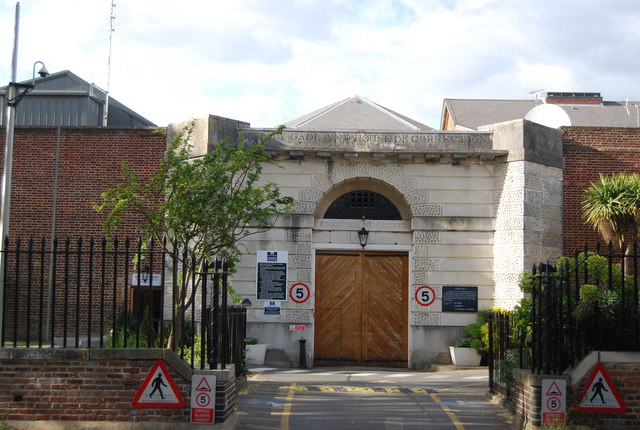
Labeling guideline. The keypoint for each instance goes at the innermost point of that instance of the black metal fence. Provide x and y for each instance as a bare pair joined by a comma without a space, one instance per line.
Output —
115,294
585,303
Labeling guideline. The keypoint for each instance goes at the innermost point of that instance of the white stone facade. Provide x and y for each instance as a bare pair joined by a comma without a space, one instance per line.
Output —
477,208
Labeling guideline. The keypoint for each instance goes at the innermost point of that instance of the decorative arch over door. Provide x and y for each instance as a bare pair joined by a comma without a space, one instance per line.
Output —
363,193
363,203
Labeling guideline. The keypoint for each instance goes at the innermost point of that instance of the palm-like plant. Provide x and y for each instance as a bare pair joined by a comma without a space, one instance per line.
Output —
612,206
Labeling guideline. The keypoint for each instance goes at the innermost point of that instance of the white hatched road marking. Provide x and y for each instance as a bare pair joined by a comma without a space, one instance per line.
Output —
262,369
401,375
476,378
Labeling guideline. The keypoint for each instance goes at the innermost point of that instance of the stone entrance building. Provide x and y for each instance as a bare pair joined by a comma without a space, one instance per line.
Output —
452,218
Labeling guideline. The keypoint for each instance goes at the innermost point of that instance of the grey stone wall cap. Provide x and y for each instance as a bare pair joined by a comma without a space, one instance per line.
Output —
171,358
227,374
525,376
44,353
125,354
178,364
574,375
594,357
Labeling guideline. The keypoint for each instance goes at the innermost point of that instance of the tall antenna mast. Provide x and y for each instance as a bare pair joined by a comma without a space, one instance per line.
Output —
112,21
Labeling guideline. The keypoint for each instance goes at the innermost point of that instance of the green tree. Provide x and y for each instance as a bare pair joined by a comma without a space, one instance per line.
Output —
209,203
612,206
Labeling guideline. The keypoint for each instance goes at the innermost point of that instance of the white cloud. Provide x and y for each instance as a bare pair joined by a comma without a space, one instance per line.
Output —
270,62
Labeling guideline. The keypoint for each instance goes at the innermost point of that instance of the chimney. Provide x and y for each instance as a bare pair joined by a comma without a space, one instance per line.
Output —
573,98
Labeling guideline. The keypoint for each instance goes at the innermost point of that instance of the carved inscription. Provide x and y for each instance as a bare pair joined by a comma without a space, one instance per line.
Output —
379,141
383,137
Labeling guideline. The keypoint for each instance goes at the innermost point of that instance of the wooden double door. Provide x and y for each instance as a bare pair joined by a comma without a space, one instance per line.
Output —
361,308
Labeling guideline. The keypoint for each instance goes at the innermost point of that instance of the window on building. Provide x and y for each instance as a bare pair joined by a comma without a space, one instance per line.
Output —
362,203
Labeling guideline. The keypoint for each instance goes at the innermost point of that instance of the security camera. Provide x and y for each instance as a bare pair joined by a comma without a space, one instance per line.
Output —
43,72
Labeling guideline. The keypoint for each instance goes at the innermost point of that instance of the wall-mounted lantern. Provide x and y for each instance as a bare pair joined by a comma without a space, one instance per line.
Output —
363,235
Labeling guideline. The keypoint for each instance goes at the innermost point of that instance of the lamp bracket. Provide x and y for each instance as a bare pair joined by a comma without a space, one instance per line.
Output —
27,88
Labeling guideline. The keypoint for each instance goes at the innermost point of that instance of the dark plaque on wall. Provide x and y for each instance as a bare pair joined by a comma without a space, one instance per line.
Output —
459,299
272,281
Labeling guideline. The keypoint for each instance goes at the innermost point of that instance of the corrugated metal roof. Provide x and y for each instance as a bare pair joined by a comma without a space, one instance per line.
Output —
65,99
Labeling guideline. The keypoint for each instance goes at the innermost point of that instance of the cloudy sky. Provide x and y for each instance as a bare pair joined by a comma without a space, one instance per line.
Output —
270,61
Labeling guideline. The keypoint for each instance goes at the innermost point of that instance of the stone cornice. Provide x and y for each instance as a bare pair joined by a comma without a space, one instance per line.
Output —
429,146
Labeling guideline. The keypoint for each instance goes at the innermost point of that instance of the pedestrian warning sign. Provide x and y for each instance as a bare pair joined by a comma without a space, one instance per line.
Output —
158,390
203,399
600,395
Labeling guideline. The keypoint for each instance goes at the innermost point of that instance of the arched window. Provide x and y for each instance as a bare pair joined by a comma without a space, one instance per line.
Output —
362,203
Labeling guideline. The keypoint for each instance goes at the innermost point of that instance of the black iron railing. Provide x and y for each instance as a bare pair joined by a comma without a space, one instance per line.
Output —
115,294
589,302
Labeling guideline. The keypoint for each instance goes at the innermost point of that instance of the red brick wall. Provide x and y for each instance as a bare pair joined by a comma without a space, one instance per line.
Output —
89,163
72,390
624,376
626,380
97,385
90,159
589,151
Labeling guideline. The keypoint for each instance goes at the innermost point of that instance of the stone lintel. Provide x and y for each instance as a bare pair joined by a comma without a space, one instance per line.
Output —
378,142
453,223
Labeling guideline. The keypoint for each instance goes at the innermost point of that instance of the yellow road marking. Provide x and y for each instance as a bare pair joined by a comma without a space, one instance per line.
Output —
326,389
456,422
358,389
286,411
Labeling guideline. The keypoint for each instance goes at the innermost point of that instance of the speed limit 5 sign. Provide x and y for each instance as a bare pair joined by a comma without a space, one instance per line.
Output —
425,295
299,292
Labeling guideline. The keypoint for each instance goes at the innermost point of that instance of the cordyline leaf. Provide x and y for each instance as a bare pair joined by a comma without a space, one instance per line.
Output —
612,206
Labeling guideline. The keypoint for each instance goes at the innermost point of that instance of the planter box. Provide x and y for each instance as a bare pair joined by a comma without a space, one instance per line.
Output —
256,353
465,357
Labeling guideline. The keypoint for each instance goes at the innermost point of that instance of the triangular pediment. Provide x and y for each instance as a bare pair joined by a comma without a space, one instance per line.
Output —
356,114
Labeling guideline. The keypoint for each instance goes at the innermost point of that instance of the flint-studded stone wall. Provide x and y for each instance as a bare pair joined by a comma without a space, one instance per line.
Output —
528,216
448,238
473,215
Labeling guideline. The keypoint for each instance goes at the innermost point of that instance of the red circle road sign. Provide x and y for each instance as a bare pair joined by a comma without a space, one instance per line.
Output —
554,403
203,400
299,292
425,295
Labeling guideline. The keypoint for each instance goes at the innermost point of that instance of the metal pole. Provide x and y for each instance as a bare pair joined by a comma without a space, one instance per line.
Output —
8,161
53,229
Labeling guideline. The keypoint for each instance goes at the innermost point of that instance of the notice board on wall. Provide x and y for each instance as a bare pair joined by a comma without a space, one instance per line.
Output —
271,275
459,299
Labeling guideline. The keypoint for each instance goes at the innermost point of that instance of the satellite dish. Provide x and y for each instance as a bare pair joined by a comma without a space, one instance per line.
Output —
551,116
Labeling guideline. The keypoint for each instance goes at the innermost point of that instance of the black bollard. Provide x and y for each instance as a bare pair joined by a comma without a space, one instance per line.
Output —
303,353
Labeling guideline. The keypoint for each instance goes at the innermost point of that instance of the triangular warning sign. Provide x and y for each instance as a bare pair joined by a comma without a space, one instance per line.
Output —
203,385
158,390
554,390
600,395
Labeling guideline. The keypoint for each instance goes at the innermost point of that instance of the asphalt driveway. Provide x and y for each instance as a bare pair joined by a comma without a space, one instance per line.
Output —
368,398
